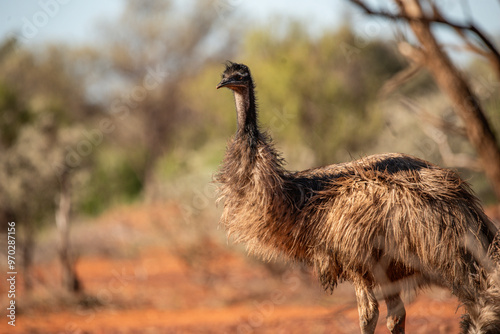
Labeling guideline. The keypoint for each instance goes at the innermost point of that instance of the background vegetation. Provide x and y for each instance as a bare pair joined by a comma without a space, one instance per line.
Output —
136,117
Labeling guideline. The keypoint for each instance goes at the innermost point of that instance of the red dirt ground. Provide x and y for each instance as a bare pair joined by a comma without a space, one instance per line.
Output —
138,279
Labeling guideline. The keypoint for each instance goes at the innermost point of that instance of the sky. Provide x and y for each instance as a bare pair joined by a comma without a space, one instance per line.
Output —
76,21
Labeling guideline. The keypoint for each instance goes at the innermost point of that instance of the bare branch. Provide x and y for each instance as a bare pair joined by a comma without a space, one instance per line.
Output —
494,56
436,129
399,79
436,122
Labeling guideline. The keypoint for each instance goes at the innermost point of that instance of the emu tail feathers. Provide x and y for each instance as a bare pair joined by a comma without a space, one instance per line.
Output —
483,313
494,250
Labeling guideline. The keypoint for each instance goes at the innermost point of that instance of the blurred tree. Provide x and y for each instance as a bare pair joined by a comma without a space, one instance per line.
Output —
421,17
316,87
41,102
152,51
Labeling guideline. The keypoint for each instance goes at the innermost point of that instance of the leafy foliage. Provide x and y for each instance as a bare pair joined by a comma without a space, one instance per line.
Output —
36,94
315,91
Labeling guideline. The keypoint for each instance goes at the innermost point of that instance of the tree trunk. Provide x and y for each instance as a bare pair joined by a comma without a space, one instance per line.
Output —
70,280
454,85
27,246
150,186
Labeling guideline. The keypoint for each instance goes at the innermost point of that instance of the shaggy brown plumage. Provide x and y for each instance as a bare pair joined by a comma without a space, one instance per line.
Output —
390,221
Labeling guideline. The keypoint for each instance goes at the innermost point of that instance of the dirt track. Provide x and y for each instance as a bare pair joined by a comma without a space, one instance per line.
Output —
157,289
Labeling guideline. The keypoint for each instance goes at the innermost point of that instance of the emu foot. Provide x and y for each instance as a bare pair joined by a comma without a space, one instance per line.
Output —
396,324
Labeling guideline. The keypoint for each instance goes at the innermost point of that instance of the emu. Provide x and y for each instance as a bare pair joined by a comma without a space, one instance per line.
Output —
388,223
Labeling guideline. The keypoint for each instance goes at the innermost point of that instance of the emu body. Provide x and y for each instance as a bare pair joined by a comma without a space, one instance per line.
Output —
386,223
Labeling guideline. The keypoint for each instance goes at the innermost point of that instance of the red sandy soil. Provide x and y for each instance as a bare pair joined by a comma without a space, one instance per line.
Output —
136,282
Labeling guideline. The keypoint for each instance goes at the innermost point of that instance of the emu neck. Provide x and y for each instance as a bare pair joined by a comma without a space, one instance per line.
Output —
257,207
246,112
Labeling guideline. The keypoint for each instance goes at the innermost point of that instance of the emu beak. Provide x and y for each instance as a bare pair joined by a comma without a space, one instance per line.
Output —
223,83
230,83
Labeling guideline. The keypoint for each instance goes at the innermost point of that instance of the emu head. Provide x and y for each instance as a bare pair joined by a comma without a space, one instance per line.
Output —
236,77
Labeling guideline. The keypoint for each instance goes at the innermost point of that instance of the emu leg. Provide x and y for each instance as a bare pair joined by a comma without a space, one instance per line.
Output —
367,308
396,314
